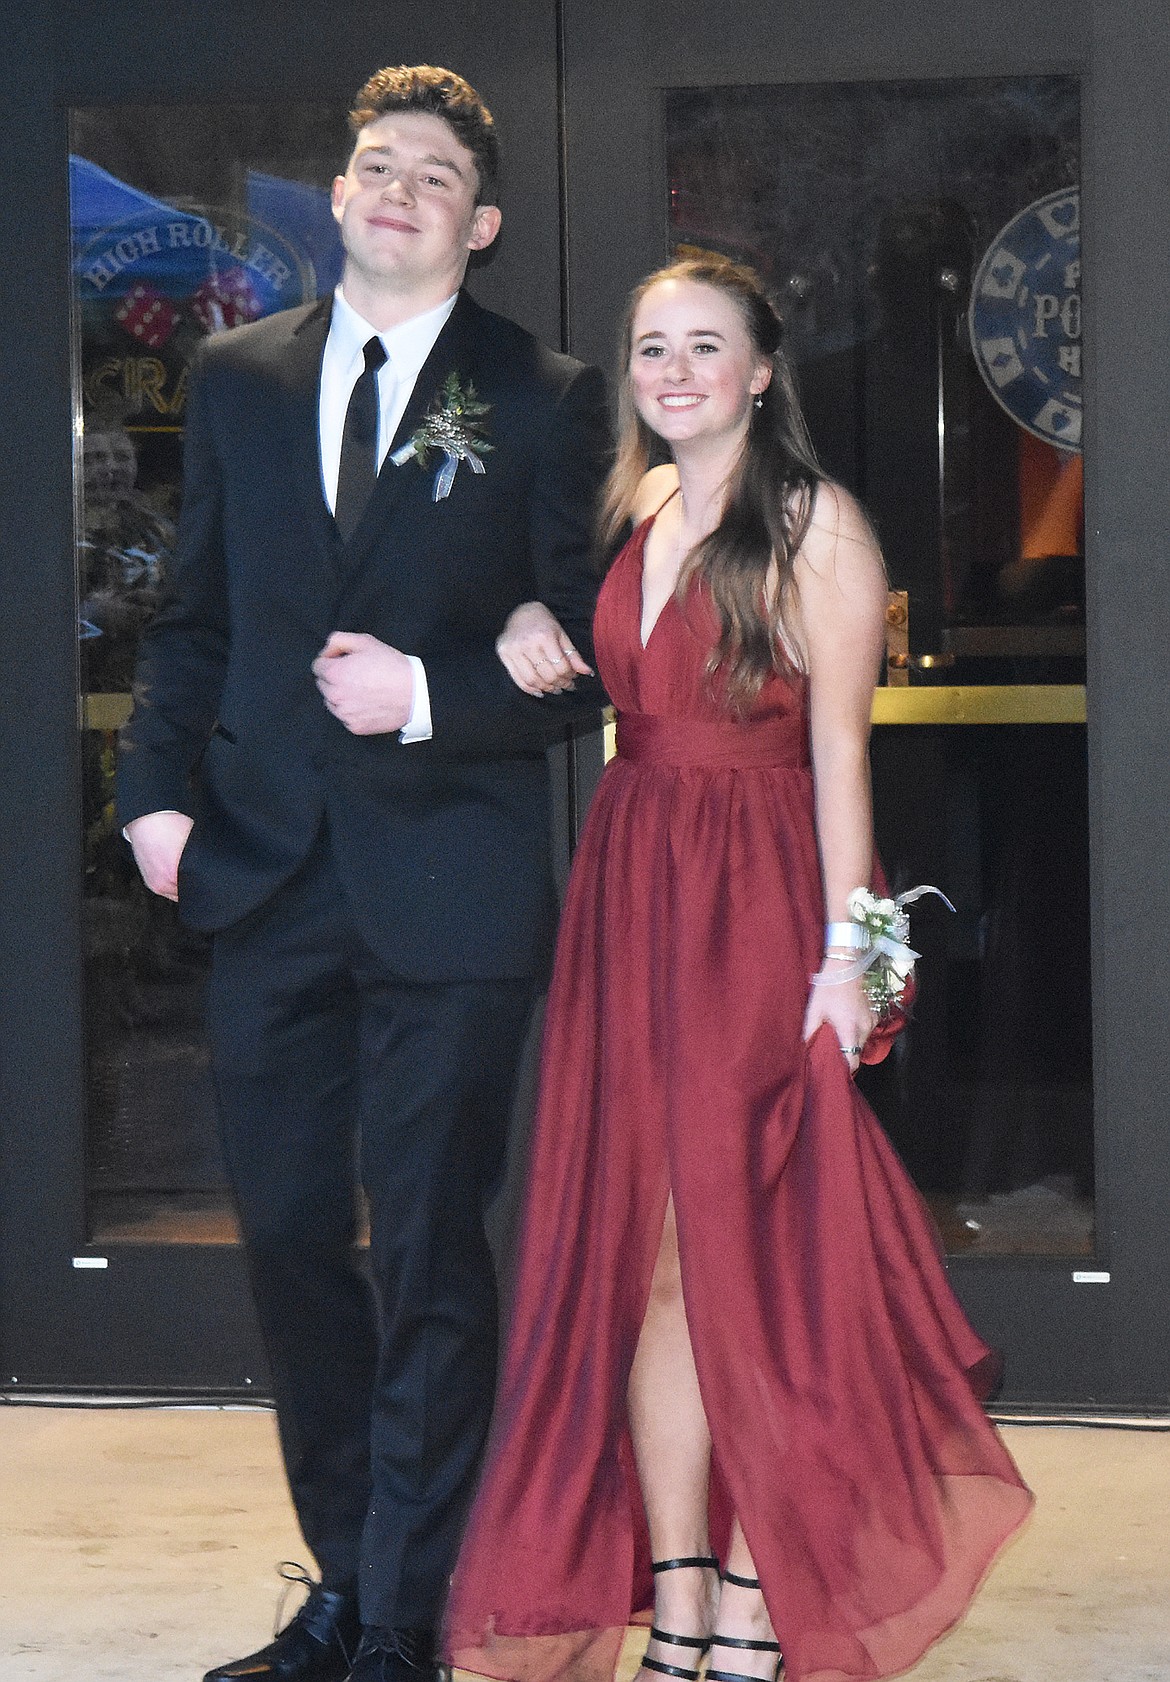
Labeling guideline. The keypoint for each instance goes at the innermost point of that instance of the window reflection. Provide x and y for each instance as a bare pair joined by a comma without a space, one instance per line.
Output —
870,208
185,222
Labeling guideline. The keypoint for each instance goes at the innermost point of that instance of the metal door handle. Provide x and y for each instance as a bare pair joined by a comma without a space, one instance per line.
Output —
920,662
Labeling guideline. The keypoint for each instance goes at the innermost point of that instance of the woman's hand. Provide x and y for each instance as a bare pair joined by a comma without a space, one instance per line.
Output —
538,656
844,1006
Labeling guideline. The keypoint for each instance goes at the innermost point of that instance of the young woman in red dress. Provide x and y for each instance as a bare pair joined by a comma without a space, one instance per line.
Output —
739,1396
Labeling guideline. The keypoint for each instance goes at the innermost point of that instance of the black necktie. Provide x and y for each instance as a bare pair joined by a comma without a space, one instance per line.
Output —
358,470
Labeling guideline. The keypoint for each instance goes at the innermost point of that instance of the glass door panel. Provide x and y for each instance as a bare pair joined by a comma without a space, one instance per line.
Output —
923,242
185,221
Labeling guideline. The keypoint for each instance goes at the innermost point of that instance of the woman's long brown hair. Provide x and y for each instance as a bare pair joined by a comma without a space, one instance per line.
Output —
769,494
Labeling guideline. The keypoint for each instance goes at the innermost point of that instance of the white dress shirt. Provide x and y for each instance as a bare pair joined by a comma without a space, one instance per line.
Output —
407,347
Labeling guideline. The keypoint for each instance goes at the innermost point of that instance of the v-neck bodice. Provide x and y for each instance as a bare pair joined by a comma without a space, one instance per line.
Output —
668,675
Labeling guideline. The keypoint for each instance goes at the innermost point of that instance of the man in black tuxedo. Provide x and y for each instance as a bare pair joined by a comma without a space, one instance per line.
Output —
331,770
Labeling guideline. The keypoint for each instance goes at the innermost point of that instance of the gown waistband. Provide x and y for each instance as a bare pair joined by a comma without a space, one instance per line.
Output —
719,744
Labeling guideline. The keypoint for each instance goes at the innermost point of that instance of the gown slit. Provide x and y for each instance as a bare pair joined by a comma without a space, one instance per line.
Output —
839,1376
642,1326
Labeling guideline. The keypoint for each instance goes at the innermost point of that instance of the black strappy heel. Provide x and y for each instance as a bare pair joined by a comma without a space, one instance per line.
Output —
699,1642
741,1642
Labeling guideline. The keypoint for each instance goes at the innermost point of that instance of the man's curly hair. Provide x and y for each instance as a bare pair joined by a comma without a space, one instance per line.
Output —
427,87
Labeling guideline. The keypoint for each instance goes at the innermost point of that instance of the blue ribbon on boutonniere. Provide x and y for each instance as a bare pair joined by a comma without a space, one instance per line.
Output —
455,424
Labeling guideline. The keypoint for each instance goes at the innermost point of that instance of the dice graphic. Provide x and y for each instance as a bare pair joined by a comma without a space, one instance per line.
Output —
225,300
147,316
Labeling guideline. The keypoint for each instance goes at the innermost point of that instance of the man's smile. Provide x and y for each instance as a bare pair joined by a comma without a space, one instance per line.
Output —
394,222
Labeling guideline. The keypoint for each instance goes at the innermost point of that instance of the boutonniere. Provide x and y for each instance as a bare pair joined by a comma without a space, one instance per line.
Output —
455,423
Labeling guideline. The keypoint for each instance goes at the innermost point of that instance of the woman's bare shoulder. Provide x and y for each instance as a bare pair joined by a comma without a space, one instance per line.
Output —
839,541
657,487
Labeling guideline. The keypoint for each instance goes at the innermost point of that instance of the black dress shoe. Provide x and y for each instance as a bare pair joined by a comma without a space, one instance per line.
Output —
395,1655
319,1645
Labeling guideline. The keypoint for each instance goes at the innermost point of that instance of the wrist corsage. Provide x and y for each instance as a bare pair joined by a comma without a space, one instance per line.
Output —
455,423
878,931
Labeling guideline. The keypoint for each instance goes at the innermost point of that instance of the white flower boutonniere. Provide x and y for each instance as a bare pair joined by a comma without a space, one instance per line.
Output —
455,424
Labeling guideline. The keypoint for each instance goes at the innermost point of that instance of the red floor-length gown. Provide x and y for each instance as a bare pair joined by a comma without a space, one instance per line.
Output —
837,1371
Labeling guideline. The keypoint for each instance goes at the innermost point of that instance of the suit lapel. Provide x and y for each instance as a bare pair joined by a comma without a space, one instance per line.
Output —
454,347
301,373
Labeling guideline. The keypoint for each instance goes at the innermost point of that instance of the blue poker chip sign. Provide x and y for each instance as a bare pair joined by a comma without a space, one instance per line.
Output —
1025,318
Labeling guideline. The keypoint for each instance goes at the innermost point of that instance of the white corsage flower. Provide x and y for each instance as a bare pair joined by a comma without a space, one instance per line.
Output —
886,960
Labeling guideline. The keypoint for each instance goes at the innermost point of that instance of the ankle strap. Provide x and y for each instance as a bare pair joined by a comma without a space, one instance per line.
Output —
702,1642
707,1561
741,1582
677,1670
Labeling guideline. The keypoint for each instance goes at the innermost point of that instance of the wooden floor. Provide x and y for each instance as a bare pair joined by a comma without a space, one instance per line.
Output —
140,1545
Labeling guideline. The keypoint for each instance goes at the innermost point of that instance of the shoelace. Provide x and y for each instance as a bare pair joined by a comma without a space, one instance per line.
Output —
411,1646
295,1575
292,1573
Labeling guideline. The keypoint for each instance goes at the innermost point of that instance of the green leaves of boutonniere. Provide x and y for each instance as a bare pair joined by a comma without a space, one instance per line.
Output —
455,423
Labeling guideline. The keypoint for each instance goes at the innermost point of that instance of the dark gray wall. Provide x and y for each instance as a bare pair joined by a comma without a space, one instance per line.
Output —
1127,265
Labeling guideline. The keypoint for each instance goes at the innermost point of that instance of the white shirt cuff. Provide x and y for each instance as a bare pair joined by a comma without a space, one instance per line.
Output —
418,726
163,812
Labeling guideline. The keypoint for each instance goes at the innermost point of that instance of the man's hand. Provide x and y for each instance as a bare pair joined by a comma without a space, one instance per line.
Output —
536,653
158,840
365,683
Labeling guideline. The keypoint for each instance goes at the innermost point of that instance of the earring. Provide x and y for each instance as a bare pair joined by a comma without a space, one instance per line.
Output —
759,404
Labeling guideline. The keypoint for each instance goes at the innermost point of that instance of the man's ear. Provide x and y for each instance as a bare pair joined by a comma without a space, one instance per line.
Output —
337,197
485,226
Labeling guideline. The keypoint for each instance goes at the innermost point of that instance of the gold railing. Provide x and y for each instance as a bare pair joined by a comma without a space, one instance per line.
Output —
971,703
105,711
981,703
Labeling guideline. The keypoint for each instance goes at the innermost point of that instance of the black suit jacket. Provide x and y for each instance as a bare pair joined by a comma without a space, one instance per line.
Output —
443,846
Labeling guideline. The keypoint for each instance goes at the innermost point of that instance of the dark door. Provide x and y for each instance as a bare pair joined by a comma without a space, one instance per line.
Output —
907,178
192,148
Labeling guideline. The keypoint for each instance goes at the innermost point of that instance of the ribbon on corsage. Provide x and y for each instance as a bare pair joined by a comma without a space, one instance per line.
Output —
886,960
455,424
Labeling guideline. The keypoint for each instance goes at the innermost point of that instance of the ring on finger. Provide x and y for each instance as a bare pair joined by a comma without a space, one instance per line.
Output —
851,1050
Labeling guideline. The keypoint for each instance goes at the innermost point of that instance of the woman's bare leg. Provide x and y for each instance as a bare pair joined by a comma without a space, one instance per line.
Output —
672,1448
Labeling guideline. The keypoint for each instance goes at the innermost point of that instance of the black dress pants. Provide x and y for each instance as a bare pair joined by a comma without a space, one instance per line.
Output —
325,1063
